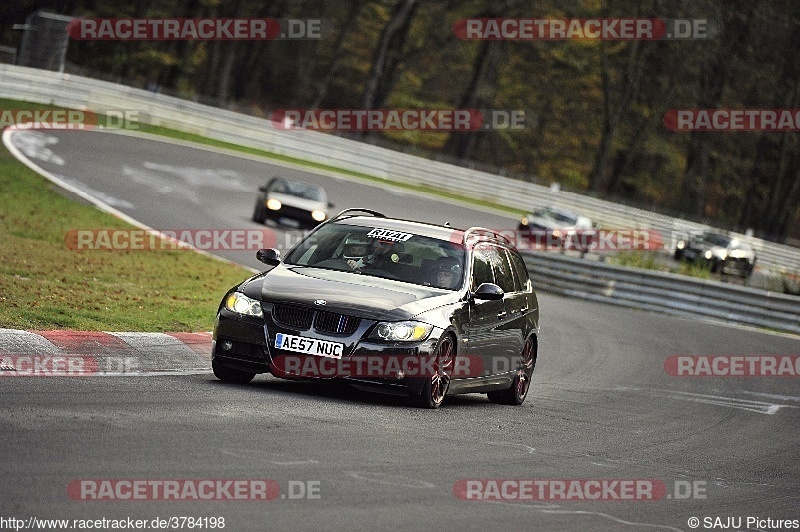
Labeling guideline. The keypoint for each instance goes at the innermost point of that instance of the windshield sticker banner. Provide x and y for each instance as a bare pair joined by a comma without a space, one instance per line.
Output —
388,234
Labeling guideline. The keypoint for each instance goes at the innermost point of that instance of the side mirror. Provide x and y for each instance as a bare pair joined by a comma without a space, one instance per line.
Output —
270,257
331,205
488,292
263,188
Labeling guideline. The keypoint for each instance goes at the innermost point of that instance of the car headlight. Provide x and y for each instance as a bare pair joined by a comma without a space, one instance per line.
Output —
241,304
709,255
681,244
401,331
524,221
318,215
273,204
556,233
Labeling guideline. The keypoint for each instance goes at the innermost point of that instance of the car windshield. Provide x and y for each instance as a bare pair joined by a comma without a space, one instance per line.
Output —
380,252
738,244
301,190
560,217
716,240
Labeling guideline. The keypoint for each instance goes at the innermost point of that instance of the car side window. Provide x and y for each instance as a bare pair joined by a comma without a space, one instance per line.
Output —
520,271
503,274
481,267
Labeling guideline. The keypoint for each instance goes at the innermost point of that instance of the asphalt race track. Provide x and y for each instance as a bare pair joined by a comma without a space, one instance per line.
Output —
602,406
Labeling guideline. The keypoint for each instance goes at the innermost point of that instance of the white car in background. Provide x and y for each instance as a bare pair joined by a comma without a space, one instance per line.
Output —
557,227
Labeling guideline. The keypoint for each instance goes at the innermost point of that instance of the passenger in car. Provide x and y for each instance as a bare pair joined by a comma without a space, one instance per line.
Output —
447,273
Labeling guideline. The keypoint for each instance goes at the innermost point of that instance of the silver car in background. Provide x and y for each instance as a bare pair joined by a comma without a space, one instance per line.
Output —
554,227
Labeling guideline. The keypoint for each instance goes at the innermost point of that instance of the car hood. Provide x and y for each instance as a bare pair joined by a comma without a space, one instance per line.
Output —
300,203
734,253
346,292
547,223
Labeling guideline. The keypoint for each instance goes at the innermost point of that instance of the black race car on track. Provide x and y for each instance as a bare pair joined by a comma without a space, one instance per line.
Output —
388,305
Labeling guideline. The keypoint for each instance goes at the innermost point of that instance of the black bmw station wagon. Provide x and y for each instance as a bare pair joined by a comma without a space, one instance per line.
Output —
388,305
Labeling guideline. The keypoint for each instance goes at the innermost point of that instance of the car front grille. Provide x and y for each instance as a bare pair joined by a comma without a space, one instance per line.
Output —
737,263
295,212
738,260
324,321
292,316
331,322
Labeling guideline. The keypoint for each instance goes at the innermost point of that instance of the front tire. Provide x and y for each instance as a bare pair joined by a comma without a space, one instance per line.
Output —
231,375
259,215
518,391
437,384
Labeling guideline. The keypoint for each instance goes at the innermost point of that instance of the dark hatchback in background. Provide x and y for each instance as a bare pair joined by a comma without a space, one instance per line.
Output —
363,286
722,253
291,202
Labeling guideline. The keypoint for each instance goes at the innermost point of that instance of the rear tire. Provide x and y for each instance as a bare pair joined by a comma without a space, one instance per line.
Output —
231,375
518,391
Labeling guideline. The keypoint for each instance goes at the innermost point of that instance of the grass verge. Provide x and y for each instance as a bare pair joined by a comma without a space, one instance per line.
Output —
45,285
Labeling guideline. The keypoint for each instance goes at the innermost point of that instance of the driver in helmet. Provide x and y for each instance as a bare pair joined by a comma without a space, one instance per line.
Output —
356,251
448,273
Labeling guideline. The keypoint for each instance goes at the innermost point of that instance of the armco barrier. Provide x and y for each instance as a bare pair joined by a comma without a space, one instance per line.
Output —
663,292
85,93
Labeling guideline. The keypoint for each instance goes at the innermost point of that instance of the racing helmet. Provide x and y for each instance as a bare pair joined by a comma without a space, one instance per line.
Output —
355,247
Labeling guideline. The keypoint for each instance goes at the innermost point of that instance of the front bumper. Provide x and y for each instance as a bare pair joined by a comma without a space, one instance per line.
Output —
736,266
248,344
239,343
299,216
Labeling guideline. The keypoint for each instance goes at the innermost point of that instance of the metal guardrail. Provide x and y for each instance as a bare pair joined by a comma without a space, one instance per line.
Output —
663,292
157,109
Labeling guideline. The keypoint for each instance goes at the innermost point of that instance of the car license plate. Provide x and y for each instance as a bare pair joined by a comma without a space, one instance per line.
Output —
291,222
308,346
